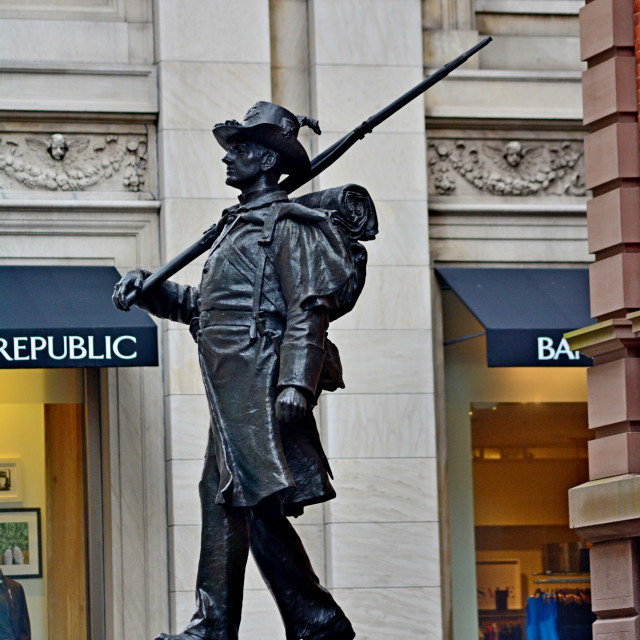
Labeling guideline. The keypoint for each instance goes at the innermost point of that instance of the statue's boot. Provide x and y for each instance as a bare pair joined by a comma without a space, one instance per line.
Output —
177,636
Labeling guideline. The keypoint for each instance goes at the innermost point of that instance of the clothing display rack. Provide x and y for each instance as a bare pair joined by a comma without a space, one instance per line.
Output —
561,577
563,614
502,631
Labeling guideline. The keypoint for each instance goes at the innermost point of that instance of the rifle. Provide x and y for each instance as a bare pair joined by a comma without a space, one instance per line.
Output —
318,164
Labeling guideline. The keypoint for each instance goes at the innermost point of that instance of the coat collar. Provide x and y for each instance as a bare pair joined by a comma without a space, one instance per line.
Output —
250,203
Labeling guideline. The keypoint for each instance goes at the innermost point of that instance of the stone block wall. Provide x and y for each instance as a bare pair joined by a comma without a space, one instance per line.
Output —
603,510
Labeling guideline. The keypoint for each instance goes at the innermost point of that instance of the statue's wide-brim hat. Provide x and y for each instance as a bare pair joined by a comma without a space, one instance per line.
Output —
271,126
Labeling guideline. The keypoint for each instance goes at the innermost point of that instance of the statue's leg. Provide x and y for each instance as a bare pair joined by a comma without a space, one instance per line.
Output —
224,549
308,609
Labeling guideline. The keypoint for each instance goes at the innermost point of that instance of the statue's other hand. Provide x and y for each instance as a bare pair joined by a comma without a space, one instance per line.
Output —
291,405
131,281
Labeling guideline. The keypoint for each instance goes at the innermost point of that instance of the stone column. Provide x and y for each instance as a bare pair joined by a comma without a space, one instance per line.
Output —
213,59
382,548
606,510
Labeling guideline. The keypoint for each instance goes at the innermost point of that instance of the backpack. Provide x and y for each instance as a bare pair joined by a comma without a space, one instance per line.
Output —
353,213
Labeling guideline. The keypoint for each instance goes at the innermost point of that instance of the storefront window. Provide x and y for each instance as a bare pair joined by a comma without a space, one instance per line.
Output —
42,497
516,442
526,457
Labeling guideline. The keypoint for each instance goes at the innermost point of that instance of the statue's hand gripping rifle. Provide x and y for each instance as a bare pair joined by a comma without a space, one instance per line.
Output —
318,165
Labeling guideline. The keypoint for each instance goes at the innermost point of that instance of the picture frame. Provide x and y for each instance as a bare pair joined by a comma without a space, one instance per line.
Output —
10,480
20,543
499,583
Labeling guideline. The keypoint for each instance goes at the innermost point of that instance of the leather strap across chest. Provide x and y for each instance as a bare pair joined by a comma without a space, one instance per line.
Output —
257,324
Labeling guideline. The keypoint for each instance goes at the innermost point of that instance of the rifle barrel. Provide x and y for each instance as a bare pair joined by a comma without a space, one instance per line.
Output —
327,157
318,164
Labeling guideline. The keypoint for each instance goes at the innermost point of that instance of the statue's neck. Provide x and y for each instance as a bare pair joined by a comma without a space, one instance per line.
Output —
251,194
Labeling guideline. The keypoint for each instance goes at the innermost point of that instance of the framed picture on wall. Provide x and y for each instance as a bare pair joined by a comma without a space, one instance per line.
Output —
10,480
20,543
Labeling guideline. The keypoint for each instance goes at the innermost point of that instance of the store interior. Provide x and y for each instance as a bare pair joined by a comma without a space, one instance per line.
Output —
42,501
516,442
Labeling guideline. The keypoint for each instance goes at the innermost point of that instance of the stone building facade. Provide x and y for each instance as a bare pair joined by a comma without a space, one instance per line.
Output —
106,159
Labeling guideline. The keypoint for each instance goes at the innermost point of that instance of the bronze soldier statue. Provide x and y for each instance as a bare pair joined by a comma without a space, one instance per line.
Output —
277,273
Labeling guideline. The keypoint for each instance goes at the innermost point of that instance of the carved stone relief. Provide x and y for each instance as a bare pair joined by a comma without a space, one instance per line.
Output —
506,167
65,162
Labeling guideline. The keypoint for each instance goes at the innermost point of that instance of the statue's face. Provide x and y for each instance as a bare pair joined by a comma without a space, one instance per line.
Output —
244,162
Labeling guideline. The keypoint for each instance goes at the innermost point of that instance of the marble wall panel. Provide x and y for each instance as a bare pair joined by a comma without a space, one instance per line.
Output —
290,88
183,499
138,10
384,490
196,95
378,425
261,618
514,251
367,32
403,227
507,94
404,554
199,172
213,30
140,40
387,614
185,219
187,426
63,9
289,19
533,52
183,605
132,90
356,92
96,250
182,369
393,298
385,361
313,514
387,164
63,41
184,549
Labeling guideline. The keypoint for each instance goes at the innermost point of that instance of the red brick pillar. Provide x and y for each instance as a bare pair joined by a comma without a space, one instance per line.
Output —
636,38
606,510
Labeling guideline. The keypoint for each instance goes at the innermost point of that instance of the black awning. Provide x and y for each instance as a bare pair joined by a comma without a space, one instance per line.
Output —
64,317
525,312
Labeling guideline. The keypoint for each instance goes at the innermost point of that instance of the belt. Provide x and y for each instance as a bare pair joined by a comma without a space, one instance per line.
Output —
238,318
264,323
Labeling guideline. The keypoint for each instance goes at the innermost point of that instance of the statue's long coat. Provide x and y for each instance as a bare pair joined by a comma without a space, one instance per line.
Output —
306,265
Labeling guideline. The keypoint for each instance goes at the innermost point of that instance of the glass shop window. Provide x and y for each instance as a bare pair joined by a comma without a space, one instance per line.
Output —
42,503
529,564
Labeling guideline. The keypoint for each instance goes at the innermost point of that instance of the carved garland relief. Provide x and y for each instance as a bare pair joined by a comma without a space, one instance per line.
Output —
510,168
74,163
